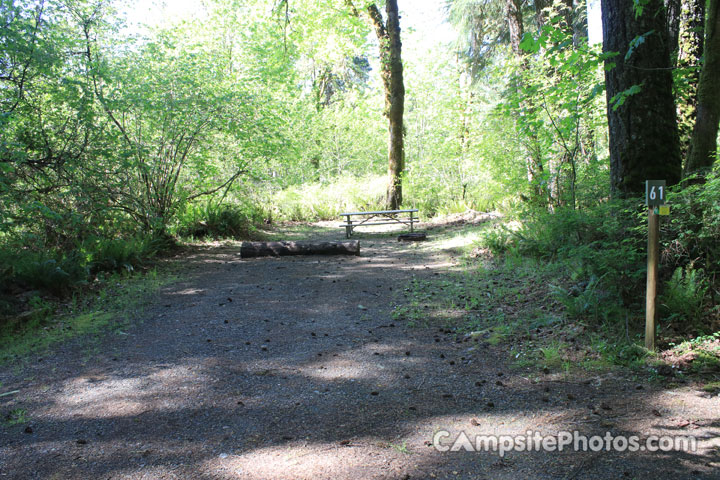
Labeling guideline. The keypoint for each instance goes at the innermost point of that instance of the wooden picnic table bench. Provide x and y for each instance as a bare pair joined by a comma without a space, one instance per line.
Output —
379,217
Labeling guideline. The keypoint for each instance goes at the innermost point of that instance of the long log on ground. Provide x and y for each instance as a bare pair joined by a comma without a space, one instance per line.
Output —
267,249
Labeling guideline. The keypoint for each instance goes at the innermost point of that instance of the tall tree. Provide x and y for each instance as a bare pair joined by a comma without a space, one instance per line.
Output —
391,71
642,121
388,34
686,35
481,27
703,146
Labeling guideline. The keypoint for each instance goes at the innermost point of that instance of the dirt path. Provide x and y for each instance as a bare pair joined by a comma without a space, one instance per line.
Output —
294,368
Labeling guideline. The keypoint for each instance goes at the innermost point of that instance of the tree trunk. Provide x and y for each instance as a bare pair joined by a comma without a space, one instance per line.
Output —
672,26
580,22
388,34
688,54
703,146
644,141
513,16
540,13
275,249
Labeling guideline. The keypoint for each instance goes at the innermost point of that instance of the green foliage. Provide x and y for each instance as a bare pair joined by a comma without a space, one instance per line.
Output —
16,416
552,356
601,251
117,254
116,300
624,354
55,274
586,300
619,99
555,98
226,220
498,239
684,296
326,201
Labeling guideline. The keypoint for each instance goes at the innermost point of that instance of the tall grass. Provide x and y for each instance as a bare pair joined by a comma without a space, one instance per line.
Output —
325,201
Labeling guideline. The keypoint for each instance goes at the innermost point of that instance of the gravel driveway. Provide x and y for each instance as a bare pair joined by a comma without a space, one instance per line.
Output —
294,368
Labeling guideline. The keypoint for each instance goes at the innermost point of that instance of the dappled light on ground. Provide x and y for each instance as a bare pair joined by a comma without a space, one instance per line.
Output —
301,368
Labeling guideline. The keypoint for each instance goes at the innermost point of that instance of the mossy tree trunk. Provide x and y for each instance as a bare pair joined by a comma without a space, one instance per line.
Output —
388,34
703,145
686,36
642,121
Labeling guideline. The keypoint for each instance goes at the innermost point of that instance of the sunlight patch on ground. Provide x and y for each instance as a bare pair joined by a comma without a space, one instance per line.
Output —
293,462
358,457
676,413
105,397
457,241
368,368
190,291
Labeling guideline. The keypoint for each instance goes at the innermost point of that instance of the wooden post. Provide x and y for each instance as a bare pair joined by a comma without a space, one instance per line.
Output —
652,271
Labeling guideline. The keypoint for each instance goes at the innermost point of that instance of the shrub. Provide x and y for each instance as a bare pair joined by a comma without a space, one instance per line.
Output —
57,272
601,248
227,220
684,295
121,253
42,271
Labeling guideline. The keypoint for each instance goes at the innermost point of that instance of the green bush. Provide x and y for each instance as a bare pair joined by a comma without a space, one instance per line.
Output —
58,272
43,271
602,247
498,239
692,234
116,254
684,296
226,220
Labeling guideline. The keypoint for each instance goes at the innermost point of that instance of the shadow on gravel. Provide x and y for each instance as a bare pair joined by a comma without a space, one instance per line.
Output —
295,368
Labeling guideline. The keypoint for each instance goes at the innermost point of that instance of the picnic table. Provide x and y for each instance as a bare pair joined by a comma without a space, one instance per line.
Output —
378,217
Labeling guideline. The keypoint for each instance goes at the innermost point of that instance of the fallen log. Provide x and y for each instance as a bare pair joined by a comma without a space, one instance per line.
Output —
267,249
412,237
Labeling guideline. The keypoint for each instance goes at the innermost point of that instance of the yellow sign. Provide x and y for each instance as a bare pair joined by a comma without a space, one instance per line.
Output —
664,210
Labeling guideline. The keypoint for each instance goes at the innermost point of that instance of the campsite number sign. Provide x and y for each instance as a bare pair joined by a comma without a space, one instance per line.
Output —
655,193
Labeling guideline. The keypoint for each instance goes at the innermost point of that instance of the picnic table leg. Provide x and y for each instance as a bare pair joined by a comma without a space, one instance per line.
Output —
411,222
348,227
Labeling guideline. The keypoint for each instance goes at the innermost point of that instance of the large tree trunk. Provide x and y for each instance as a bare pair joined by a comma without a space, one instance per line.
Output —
688,30
672,19
540,13
275,249
644,141
703,146
388,34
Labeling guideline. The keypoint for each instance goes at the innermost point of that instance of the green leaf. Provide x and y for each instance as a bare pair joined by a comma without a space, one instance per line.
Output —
619,99
529,44
636,42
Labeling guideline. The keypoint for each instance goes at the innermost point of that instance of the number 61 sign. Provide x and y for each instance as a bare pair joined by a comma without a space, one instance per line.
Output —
655,193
